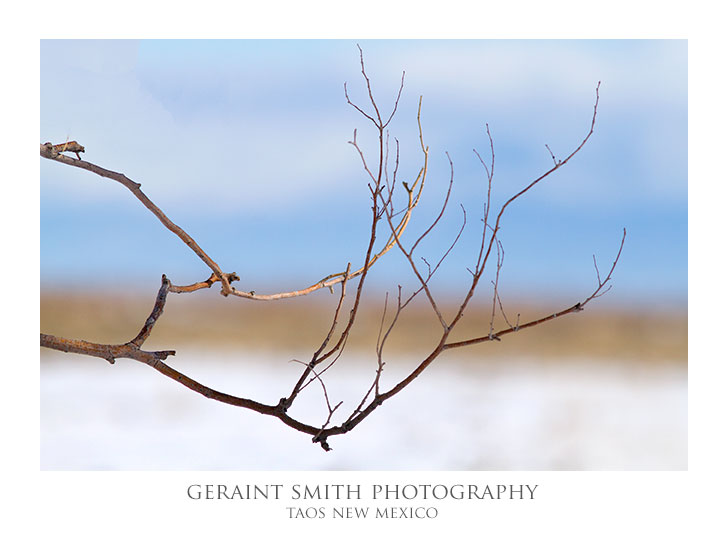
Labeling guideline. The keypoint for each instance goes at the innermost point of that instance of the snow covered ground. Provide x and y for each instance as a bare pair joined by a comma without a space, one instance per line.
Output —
463,413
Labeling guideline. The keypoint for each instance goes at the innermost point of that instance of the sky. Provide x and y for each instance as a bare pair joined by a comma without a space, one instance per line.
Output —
245,144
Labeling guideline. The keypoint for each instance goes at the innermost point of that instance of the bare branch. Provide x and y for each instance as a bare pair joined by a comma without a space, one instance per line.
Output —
454,242
362,112
155,314
325,393
442,210
555,162
47,151
217,275
232,277
500,260
383,318
601,283
408,254
382,191
575,308
595,265
288,401
493,237
490,172
368,87
516,326
396,102
110,353
559,164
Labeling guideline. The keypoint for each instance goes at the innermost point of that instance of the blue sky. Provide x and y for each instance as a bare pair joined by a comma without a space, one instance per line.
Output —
245,145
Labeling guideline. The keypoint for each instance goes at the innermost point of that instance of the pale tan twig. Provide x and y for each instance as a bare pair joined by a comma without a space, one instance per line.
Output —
232,277
500,260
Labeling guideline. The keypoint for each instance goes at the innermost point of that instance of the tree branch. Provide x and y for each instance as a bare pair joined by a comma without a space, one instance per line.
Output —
382,205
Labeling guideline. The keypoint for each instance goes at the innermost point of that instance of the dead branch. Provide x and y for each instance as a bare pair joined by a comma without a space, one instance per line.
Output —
332,347
482,260
110,353
47,151
579,306
50,151
288,401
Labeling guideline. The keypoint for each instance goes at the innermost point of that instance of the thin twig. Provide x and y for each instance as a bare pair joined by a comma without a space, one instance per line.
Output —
155,314
500,260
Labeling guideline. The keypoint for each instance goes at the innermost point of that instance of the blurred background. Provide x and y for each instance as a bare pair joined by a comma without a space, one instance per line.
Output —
245,145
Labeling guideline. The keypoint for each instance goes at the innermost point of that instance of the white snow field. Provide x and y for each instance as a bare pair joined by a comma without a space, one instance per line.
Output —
463,413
